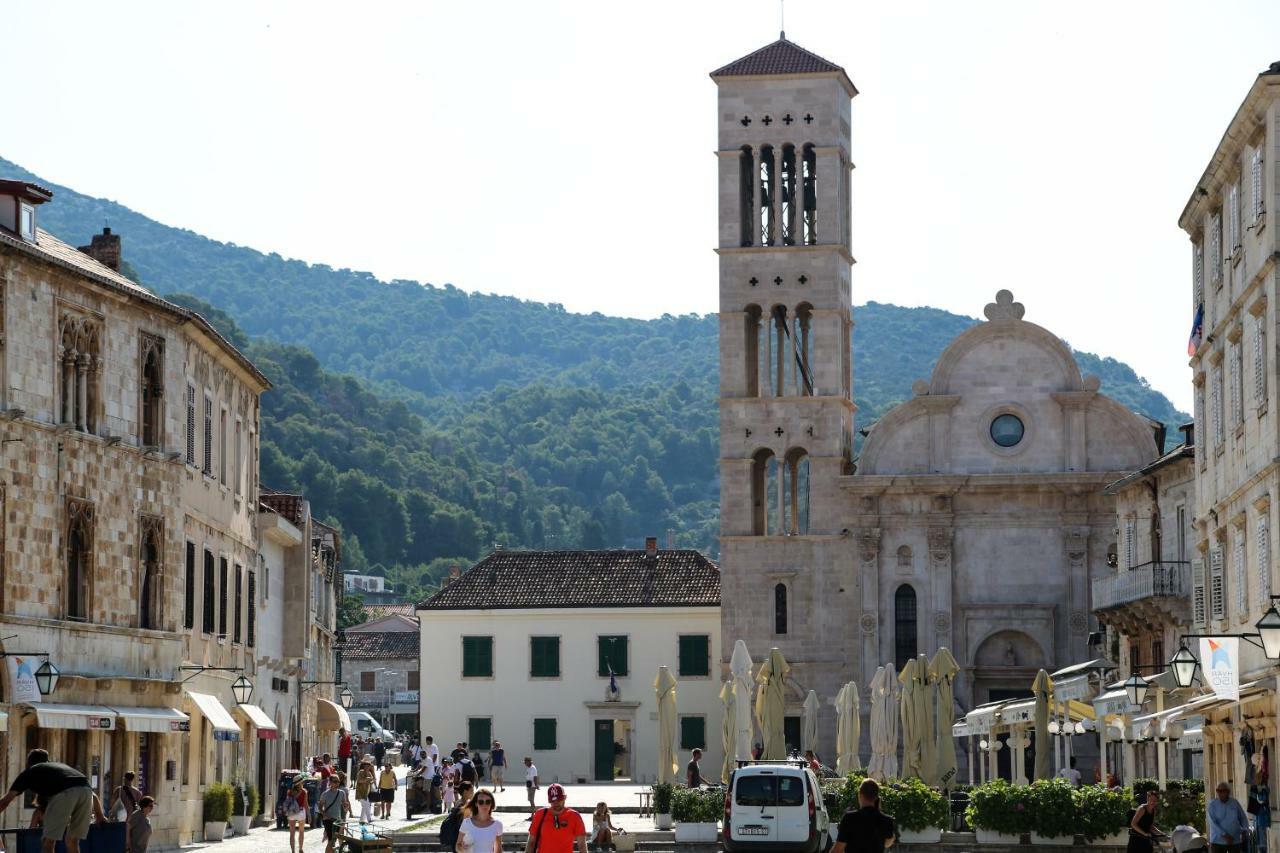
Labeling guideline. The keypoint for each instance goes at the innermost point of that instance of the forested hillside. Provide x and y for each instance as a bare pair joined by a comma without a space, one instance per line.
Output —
467,419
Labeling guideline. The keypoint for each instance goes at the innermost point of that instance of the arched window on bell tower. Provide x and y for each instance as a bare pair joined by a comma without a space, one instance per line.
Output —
746,195
780,608
787,185
751,349
904,625
765,487
804,350
779,352
768,177
795,493
810,166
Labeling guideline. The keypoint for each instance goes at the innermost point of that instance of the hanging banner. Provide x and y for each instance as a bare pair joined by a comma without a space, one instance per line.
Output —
1220,663
22,680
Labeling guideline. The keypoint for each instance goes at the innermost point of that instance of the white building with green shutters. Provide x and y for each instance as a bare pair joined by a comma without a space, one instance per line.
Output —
522,646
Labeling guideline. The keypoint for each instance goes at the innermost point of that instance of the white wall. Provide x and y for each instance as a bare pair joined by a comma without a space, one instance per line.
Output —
512,699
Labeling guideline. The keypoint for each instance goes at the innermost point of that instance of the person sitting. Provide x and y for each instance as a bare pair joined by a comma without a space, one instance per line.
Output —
602,828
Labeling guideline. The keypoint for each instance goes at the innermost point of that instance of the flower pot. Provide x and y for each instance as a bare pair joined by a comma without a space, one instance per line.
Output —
1059,841
215,830
697,833
928,835
1115,839
662,821
989,836
240,824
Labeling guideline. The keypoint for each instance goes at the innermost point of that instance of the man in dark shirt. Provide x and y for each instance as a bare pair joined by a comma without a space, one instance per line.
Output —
64,793
692,772
867,830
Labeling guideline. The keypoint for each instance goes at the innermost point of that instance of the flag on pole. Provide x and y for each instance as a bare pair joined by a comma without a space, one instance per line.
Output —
1197,331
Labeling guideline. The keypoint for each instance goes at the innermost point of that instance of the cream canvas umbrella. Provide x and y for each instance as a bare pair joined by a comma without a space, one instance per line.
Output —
891,722
664,687
809,724
879,734
728,729
771,704
926,721
740,666
1042,687
847,729
907,712
943,670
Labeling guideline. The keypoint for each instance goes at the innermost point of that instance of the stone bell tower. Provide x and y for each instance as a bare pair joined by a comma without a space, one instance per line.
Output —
786,384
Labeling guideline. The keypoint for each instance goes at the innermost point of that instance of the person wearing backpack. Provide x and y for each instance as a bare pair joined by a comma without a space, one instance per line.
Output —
556,828
468,770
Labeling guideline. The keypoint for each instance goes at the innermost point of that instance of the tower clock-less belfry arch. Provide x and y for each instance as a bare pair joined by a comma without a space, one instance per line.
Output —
973,519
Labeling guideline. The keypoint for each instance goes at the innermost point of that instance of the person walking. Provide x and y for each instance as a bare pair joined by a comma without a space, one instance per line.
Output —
379,751
478,760
295,812
433,751
344,751
334,807
867,830
467,769
497,765
480,832
1143,826
693,773
124,799
531,781
365,786
66,798
387,789
556,828
139,826
1228,822
602,828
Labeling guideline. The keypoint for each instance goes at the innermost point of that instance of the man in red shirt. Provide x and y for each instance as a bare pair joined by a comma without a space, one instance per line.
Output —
556,829
344,751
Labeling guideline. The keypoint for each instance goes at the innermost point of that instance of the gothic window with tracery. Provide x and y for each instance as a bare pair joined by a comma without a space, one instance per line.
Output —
79,374
79,559
149,563
152,385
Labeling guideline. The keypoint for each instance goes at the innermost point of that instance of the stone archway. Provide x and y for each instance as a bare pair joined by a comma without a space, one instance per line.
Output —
1004,665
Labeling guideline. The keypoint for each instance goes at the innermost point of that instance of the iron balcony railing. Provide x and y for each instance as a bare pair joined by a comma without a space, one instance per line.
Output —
1162,579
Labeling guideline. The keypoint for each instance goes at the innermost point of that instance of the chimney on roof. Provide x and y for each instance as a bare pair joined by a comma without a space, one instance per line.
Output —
671,538
455,572
651,546
105,249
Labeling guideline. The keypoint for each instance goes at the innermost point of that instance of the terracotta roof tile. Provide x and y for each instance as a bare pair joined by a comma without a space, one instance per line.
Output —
378,611
287,506
391,645
561,579
781,57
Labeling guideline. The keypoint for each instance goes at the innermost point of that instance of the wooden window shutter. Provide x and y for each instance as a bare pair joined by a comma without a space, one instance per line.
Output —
1198,591
1217,607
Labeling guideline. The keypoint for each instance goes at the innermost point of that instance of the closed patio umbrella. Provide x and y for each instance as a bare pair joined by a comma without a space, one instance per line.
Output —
1042,687
926,721
740,666
891,721
907,712
884,725
771,704
943,669
809,723
664,688
728,729
847,729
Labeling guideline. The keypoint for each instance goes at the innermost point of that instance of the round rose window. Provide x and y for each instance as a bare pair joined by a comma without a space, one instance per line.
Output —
1006,430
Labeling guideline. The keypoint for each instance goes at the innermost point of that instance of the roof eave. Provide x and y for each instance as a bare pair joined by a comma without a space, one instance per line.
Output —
841,75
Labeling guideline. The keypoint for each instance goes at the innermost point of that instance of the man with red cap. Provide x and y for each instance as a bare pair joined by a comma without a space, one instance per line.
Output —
556,829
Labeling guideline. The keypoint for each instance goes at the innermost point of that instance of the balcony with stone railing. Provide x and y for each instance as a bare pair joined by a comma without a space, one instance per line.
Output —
1156,590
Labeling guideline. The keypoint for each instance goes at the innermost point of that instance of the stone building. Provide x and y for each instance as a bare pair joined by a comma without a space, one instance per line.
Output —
380,662
1237,479
974,517
129,449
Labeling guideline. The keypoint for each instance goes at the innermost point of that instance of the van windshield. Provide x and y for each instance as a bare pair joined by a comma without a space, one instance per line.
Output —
770,791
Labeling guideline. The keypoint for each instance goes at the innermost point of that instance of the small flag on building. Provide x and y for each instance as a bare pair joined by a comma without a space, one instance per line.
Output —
1197,331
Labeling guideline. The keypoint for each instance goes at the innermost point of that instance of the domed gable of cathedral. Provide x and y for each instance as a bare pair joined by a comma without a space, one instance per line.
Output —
1007,397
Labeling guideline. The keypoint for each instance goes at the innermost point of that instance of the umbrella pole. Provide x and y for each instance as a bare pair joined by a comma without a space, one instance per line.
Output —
1162,746
970,746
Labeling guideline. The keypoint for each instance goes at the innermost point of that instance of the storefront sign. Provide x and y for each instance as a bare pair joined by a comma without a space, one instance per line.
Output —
1220,663
22,680
406,696
101,722
179,725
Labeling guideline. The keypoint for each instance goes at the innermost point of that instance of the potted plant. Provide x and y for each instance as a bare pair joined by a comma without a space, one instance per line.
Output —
697,814
1103,815
244,808
997,812
218,798
1183,802
921,812
1053,815
662,792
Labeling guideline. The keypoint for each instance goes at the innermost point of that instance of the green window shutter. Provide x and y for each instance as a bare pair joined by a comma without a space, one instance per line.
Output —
477,657
544,733
611,650
479,732
544,657
693,732
695,654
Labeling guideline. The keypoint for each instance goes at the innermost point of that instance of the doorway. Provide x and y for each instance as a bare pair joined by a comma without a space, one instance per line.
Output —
263,746
622,749
605,751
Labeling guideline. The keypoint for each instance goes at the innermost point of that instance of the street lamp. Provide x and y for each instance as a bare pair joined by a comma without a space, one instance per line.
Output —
1184,667
346,697
46,678
1269,629
1136,688
242,689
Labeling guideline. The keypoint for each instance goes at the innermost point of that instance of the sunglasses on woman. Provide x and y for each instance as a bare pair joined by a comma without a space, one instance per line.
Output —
489,803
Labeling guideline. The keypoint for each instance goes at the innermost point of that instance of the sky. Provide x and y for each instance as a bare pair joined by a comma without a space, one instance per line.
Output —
564,151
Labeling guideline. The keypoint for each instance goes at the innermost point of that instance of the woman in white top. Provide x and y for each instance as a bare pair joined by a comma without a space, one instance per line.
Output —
479,832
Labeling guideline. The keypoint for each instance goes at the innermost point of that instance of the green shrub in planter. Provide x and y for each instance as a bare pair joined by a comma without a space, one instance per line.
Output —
1052,806
662,797
1000,807
694,805
250,793
218,799
1185,786
914,805
1142,786
843,795
1102,812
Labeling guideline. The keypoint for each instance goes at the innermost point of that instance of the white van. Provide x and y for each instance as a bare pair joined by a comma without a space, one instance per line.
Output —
364,724
774,807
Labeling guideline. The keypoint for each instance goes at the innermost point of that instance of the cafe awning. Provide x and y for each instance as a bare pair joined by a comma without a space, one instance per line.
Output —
330,716
79,717
218,717
258,717
165,720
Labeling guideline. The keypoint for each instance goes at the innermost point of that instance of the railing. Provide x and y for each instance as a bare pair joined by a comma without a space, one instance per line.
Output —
1163,579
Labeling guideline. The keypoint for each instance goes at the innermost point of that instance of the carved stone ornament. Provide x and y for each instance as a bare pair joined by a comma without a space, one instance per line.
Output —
869,544
868,623
1004,308
939,543
1078,622
942,621
1075,541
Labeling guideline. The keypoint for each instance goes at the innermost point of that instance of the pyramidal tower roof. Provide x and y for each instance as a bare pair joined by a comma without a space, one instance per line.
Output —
782,57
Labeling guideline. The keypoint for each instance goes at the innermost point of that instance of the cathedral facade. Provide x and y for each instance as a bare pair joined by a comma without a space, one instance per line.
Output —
973,517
